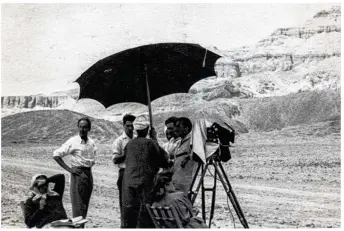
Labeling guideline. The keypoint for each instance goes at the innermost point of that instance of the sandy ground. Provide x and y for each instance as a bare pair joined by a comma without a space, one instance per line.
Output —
281,180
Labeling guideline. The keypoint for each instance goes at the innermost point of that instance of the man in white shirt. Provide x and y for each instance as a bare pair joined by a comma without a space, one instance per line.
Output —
82,150
184,166
173,141
118,152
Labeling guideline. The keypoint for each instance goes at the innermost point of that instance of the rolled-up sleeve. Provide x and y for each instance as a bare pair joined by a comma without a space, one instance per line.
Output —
116,149
95,148
64,150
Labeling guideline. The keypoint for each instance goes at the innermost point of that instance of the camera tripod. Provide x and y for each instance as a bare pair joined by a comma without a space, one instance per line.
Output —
219,171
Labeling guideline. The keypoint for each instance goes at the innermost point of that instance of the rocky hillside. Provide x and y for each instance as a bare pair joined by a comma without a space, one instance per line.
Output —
319,108
271,113
290,60
52,126
15,104
34,101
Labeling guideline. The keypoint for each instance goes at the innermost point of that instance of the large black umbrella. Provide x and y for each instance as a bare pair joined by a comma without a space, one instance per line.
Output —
169,67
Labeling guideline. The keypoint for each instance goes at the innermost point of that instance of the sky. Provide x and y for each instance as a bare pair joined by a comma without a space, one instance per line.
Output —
45,47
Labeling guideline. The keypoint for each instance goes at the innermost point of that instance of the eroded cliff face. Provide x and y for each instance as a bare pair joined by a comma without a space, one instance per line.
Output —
299,32
281,62
290,60
34,101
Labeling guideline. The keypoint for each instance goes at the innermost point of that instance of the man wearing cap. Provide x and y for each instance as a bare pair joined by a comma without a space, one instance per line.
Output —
118,152
143,158
82,151
44,204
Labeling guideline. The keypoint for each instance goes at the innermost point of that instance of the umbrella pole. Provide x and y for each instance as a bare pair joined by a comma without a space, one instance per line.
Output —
149,100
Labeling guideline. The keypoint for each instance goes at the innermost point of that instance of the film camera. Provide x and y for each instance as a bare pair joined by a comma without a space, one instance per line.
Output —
218,139
218,134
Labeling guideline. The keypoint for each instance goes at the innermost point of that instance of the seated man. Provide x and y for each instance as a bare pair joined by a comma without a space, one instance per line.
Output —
164,195
44,205
173,141
185,166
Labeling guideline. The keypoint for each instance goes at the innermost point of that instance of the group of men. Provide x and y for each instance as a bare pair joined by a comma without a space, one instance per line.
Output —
138,158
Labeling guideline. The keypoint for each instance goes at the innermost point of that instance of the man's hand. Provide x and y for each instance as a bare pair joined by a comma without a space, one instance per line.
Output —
153,134
42,203
185,161
75,170
90,162
60,162
170,163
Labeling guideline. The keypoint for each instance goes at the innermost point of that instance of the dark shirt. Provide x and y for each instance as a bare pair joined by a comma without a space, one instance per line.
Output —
143,158
52,211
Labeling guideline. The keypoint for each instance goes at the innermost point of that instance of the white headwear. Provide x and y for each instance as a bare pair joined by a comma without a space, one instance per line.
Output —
141,122
35,193
37,182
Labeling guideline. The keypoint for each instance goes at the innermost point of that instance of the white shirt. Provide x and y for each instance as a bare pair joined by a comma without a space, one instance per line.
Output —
171,146
118,147
82,153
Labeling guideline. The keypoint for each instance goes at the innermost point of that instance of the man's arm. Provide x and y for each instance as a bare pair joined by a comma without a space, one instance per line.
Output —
60,161
95,150
61,152
59,181
117,152
161,154
153,134
32,213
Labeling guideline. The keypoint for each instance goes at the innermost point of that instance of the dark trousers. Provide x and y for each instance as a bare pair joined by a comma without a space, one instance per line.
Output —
81,187
119,186
135,214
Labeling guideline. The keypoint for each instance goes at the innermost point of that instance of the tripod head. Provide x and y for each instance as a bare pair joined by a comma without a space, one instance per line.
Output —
214,158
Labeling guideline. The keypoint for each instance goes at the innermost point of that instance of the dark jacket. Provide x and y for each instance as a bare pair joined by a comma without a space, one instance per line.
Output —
143,158
52,211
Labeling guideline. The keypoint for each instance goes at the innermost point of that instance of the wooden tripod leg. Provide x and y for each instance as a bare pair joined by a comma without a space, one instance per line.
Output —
203,195
230,193
191,193
194,195
213,190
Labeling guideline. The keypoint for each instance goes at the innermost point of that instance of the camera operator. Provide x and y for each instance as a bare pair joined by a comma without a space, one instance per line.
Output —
184,167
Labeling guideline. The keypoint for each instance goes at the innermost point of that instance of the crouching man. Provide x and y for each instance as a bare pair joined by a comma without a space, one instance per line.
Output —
44,204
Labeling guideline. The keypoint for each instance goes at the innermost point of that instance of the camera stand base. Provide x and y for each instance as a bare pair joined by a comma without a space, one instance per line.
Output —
221,174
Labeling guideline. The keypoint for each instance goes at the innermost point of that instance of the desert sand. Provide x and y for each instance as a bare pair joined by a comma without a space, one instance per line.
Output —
288,178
